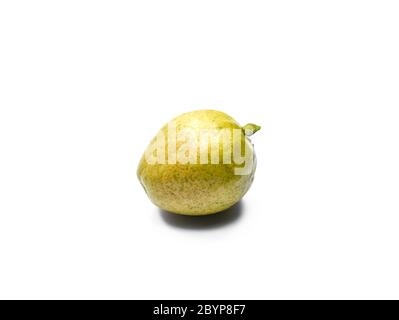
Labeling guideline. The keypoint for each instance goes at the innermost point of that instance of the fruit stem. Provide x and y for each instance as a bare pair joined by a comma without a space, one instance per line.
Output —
250,129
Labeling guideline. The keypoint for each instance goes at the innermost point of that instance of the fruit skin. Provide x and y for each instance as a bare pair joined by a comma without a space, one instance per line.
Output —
197,189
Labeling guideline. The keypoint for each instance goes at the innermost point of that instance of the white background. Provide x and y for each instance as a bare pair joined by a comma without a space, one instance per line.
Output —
84,86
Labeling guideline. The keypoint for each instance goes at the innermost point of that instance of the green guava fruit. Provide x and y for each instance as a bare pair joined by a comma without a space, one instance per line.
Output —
200,163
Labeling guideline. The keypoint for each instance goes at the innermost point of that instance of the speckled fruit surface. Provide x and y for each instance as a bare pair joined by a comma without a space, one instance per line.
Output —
197,189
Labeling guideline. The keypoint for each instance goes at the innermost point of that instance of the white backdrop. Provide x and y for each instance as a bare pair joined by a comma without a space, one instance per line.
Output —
84,86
